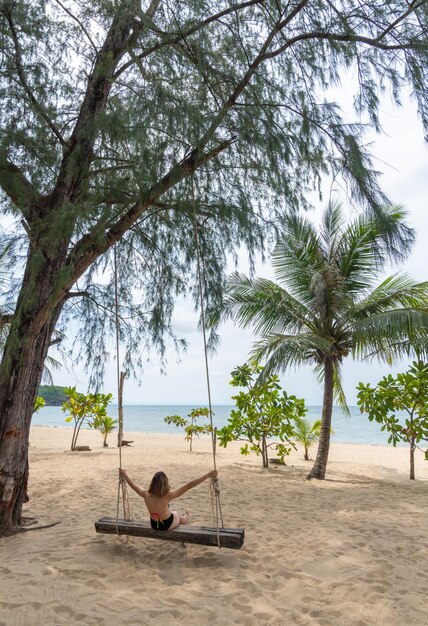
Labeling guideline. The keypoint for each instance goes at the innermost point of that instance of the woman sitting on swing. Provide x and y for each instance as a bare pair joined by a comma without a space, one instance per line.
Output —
158,496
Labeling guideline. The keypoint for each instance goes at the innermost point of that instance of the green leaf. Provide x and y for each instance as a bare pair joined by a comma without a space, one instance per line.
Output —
263,410
406,392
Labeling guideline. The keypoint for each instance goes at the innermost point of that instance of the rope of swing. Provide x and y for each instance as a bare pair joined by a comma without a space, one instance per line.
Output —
215,489
122,489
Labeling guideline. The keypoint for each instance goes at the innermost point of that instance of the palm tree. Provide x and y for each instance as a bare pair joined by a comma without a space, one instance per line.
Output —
325,305
105,425
306,433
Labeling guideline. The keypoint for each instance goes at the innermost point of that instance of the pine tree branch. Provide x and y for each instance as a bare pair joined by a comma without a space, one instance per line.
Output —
76,294
277,105
80,23
260,58
16,185
23,80
5,320
88,248
413,6
78,152
113,168
139,27
172,207
375,42
194,54
175,38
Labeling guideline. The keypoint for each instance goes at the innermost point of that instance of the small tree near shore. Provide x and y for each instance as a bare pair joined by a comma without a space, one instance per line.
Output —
263,412
306,433
407,392
105,425
191,428
84,409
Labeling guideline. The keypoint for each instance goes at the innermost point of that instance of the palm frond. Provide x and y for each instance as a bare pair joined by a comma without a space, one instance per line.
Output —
332,226
368,242
297,256
282,351
395,238
263,305
392,335
50,364
339,393
304,430
356,256
395,291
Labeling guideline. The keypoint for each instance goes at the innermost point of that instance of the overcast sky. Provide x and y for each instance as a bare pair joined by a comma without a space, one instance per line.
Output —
402,156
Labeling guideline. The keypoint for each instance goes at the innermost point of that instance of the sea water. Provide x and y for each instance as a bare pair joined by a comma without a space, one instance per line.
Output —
150,419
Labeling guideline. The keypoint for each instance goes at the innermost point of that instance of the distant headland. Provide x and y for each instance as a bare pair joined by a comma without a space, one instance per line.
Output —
52,395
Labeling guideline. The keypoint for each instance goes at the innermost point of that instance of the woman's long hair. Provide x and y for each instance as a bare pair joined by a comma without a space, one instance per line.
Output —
159,487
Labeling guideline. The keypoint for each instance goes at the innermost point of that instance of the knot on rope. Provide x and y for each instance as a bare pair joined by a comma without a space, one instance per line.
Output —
216,486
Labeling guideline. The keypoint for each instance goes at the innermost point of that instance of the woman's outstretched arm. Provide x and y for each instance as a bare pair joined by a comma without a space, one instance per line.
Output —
141,492
176,493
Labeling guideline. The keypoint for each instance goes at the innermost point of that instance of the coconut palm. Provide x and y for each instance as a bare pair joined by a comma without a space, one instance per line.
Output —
325,305
306,433
105,425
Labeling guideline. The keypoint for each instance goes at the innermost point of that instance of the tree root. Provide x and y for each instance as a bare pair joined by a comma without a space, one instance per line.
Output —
28,525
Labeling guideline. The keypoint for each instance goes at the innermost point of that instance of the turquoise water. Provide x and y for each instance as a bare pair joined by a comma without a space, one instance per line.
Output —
149,419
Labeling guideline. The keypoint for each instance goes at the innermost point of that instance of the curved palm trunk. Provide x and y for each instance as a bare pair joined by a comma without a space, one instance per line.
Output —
20,375
319,468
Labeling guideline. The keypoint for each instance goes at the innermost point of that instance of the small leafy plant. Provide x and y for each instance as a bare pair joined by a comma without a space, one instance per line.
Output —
86,409
263,412
306,433
406,392
105,425
191,428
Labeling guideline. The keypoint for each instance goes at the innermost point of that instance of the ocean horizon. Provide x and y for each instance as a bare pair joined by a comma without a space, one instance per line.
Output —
150,419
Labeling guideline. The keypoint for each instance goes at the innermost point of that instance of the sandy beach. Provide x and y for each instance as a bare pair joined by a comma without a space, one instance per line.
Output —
350,550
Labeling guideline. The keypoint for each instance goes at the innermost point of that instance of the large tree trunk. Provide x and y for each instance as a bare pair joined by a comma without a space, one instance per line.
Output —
319,468
20,374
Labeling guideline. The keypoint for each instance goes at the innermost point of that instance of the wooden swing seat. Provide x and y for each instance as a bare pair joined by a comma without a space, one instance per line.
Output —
202,535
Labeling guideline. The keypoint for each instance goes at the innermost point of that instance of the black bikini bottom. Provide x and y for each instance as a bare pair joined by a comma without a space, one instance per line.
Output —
161,524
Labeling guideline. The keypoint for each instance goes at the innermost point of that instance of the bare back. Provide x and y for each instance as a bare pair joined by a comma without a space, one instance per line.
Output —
158,506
